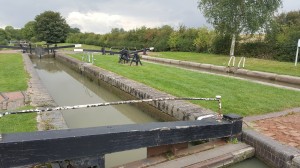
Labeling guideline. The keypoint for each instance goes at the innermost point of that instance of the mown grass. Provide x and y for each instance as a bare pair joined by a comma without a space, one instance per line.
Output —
285,68
240,97
12,74
19,122
14,78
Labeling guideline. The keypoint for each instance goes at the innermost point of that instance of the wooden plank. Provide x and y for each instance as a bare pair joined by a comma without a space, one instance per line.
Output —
14,47
100,51
36,147
59,47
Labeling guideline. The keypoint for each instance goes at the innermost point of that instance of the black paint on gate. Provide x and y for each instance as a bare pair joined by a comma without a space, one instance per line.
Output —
45,146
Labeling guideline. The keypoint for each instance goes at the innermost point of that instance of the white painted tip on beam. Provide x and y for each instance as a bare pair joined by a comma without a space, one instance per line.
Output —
77,45
78,50
206,116
151,48
218,97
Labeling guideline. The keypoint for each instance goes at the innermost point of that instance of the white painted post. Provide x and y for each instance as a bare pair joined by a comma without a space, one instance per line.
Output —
297,53
92,58
242,59
78,50
233,61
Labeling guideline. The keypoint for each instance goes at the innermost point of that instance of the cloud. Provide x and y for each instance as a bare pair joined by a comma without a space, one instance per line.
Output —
101,15
290,5
103,22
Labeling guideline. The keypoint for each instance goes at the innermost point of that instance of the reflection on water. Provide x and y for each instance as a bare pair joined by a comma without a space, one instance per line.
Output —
68,87
249,163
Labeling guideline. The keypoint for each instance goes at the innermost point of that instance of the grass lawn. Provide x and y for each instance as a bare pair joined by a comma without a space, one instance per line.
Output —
286,68
14,78
12,74
240,97
19,122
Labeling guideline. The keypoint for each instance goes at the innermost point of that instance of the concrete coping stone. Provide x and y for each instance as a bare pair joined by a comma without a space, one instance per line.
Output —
205,66
258,74
184,62
287,78
218,68
194,64
174,61
242,71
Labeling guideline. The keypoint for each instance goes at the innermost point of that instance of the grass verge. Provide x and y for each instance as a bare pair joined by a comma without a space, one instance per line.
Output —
12,74
240,97
19,122
14,78
285,68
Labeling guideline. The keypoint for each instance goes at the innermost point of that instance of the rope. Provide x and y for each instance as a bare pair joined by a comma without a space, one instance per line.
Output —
218,98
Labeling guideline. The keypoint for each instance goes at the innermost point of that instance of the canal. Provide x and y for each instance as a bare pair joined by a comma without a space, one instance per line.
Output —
68,87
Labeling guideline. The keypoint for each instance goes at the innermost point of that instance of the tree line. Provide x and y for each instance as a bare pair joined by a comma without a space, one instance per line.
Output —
48,26
278,40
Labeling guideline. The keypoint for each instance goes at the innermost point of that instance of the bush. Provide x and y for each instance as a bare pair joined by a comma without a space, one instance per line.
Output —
255,49
221,44
204,40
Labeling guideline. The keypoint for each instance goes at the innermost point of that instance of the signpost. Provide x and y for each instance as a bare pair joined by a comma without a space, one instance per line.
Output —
297,53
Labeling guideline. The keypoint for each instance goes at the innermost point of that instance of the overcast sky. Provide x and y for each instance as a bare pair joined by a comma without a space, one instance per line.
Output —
100,16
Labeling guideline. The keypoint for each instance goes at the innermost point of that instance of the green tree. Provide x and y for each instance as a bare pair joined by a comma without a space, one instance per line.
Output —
236,16
204,40
186,39
74,30
12,33
283,35
173,41
3,37
28,31
51,27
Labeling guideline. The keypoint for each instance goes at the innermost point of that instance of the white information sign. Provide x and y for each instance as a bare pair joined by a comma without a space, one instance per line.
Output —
297,53
77,45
